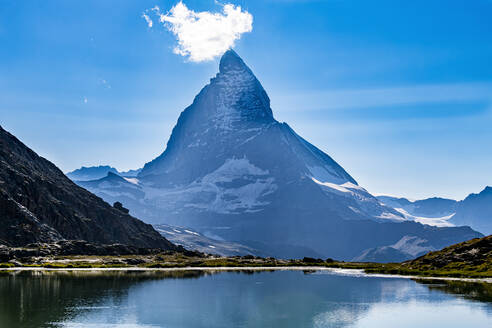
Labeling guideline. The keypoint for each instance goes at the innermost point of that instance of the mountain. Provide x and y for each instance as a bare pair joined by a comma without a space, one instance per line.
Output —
474,211
115,188
98,172
38,203
232,172
432,211
430,207
130,173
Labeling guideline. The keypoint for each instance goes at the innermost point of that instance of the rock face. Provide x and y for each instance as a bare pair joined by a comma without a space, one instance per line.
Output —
232,172
38,203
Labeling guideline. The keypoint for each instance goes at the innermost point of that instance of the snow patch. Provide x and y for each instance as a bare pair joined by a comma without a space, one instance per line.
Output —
331,185
390,216
437,222
132,180
325,174
237,186
350,185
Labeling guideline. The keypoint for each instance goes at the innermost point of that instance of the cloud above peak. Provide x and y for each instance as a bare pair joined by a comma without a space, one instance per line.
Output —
149,21
202,36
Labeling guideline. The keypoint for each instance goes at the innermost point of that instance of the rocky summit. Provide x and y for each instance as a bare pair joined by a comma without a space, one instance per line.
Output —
232,172
39,204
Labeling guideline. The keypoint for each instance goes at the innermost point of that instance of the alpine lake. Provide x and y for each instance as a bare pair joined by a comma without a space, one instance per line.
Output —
241,298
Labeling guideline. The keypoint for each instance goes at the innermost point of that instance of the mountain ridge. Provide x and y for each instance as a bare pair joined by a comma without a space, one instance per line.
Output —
39,204
475,210
97,172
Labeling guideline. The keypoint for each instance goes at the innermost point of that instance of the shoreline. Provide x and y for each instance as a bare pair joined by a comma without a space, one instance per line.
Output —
336,271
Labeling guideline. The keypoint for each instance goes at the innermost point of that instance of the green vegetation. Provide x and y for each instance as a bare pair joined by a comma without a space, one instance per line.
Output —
6,265
453,270
471,259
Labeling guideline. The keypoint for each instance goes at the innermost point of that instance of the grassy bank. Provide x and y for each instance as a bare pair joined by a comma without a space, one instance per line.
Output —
461,270
470,259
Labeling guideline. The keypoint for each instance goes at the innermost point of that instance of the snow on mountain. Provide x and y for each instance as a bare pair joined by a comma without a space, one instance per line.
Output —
193,240
232,172
407,248
474,211
431,207
227,155
444,221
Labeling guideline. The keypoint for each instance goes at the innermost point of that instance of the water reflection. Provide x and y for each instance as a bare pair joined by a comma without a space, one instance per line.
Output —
36,299
233,299
476,291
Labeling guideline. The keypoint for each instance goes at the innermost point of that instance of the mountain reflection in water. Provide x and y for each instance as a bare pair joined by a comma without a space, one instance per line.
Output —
236,299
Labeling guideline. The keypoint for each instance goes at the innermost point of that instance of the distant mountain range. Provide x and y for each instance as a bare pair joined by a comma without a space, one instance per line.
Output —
39,204
231,172
98,172
474,211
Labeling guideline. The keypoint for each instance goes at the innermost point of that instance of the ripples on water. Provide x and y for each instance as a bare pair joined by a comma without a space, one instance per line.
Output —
238,299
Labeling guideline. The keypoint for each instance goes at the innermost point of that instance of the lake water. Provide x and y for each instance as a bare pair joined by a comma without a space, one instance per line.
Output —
237,299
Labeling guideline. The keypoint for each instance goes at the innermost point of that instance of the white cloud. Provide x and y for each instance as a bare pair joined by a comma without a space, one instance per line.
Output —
148,20
204,35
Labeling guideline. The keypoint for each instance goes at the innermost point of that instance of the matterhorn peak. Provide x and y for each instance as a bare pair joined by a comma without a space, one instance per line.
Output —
231,61
233,172
234,97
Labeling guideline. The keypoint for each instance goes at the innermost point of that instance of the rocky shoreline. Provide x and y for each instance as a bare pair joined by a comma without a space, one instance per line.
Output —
39,253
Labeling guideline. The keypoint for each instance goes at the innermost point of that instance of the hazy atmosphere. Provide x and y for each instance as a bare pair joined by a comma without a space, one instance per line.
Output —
401,100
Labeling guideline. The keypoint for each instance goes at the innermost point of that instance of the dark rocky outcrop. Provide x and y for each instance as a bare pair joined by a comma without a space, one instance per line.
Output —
120,207
39,204
29,253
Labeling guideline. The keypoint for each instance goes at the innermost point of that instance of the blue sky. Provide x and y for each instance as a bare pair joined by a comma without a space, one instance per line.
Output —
399,93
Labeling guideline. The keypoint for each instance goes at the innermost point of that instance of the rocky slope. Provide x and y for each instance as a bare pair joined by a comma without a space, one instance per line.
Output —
232,172
38,203
472,258
475,252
